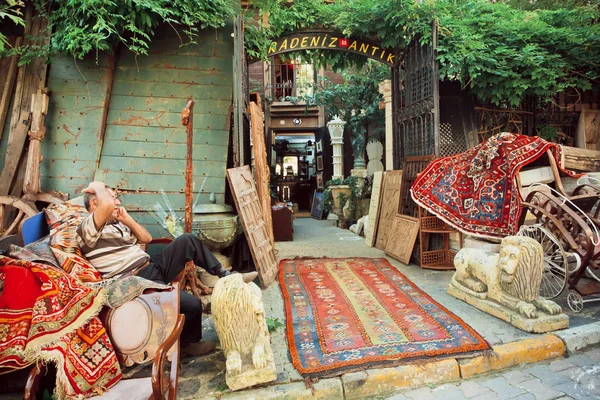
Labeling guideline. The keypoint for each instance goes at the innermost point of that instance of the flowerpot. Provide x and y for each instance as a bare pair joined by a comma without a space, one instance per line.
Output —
336,190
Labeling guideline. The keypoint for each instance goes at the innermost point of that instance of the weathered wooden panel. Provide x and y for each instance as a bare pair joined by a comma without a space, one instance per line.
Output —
144,143
249,209
390,199
261,168
374,208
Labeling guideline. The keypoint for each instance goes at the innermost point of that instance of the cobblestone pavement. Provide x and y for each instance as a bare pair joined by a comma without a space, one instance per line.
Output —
576,377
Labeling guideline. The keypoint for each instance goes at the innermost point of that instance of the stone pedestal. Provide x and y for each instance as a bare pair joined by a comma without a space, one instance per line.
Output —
333,218
542,324
360,174
251,376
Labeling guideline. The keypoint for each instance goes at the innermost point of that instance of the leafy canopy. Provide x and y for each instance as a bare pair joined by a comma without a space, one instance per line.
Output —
80,27
503,50
12,11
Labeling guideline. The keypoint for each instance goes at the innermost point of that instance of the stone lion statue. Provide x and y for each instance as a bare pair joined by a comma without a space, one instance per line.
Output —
512,278
240,322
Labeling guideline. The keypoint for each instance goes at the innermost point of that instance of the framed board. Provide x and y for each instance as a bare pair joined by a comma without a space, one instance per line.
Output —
402,238
319,163
320,183
317,205
374,209
390,197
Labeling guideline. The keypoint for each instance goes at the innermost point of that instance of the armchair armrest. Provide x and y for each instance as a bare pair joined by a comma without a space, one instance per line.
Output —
33,381
158,378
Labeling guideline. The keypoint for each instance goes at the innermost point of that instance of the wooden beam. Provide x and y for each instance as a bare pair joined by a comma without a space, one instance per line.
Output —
110,75
30,78
581,159
11,75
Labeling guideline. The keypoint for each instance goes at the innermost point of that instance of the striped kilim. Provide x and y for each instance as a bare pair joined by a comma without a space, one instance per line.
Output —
356,312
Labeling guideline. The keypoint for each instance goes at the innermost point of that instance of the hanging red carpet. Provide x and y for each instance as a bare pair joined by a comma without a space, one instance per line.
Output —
475,191
347,313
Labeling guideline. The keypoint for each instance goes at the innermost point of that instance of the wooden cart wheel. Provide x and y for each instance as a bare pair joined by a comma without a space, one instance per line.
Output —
556,266
24,211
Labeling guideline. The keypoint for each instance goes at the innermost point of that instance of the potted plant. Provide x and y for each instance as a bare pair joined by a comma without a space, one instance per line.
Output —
338,192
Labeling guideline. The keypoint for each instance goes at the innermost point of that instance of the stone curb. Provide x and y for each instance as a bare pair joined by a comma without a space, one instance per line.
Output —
386,381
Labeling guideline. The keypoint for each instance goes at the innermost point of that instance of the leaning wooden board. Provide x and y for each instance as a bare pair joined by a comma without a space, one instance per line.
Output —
250,210
374,208
390,198
402,238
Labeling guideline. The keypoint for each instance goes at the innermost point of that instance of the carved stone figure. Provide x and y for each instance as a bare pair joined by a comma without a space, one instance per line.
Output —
240,322
375,153
507,285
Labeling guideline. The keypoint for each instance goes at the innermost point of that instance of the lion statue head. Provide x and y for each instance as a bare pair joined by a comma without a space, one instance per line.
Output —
521,262
236,309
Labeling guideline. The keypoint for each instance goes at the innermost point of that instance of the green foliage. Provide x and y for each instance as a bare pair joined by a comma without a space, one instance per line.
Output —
273,324
502,50
10,10
80,27
356,100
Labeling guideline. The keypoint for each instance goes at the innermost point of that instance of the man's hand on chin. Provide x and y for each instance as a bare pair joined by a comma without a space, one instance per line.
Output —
122,215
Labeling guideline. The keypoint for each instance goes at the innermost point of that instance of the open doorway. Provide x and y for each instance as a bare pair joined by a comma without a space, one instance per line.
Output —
295,170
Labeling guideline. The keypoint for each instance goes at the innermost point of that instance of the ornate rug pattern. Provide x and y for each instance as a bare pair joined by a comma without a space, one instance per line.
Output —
475,191
347,313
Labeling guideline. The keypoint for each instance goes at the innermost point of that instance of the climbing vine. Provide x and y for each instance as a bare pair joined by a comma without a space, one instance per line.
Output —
503,51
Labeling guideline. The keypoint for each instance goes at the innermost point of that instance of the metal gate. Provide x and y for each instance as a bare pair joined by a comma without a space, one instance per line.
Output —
417,111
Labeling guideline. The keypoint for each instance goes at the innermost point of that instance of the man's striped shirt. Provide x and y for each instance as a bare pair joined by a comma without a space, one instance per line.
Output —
111,249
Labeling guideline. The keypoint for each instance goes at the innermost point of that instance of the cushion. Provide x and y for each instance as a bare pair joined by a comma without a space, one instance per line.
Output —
130,389
38,251
63,220
21,288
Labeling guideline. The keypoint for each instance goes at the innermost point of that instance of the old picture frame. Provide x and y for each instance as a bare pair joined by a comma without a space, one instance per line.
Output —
317,205
319,146
319,163
320,183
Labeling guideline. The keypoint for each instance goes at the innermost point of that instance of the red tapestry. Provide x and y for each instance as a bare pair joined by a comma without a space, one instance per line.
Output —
475,191
59,326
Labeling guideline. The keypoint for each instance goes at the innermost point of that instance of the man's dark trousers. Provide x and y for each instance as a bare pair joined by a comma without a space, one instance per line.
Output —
165,266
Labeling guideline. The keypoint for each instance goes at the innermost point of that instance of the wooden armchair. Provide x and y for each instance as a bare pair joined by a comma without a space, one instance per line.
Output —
145,329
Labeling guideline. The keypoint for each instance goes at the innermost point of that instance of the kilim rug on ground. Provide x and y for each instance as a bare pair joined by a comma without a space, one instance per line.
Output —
475,191
343,314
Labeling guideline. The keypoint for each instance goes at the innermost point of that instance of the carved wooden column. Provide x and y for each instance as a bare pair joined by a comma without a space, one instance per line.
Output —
39,108
385,88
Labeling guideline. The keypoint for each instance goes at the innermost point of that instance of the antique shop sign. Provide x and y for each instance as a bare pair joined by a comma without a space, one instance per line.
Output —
333,41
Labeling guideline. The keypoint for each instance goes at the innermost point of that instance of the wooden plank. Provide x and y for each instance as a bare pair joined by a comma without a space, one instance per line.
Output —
374,209
169,183
161,166
164,119
402,238
179,91
110,74
261,168
182,76
145,201
157,134
175,62
165,104
390,199
165,150
8,73
581,159
249,209
588,129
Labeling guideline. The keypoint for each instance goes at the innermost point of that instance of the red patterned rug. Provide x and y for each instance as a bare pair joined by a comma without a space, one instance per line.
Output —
48,315
475,191
343,314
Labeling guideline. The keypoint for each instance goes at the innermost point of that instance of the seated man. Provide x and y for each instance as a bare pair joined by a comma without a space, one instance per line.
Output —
108,238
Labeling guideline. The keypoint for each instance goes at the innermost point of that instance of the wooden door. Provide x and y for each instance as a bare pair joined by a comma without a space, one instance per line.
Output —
261,168
250,212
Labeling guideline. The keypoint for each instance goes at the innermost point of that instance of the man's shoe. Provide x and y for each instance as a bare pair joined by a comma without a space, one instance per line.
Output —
198,349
